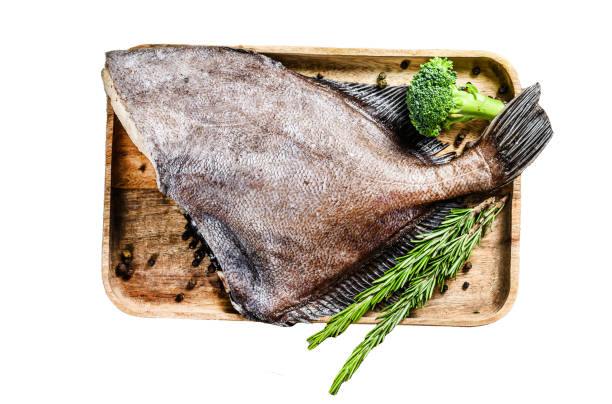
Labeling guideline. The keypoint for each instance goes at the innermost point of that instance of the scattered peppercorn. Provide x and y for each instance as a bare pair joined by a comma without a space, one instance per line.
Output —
405,64
195,263
380,80
460,137
142,168
179,298
193,244
186,235
128,273
186,79
467,266
214,266
121,269
152,260
476,312
191,284
465,285
199,254
444,288
319,76
476,71
126,256
503,89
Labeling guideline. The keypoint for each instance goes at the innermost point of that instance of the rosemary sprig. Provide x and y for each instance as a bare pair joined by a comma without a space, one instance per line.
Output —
436,256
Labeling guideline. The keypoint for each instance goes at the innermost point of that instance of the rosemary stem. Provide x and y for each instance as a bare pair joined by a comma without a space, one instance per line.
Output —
436,257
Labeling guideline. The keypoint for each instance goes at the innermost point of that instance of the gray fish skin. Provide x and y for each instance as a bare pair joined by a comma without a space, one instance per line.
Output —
293,184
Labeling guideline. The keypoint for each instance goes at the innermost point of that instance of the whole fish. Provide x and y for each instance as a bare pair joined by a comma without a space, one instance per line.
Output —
304,189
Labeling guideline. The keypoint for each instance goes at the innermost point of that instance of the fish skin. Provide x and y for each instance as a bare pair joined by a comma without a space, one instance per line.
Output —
292,184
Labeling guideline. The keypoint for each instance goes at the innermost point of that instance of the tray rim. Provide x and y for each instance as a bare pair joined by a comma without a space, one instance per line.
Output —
364,52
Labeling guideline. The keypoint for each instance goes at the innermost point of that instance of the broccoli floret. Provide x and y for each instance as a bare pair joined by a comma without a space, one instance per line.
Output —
435,101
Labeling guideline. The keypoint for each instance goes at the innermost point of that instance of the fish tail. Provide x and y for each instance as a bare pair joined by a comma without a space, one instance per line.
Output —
520,132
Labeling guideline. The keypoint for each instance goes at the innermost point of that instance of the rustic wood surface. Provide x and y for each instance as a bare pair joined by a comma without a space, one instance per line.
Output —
139,217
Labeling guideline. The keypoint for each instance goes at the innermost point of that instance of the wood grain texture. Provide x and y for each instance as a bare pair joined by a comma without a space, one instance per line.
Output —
137,215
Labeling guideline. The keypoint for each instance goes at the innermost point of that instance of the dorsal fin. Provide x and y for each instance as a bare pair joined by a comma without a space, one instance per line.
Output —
341,294
388,106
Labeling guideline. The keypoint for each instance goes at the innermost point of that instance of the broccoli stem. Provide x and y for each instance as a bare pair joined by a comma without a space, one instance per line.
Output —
470,105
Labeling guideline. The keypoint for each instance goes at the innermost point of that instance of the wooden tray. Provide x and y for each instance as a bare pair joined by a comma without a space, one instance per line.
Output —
136,214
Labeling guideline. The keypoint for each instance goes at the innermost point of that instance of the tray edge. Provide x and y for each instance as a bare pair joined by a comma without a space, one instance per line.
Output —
515,197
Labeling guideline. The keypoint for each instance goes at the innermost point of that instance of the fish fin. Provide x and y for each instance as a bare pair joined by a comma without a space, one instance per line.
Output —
341,294
520,132
388,106
426,148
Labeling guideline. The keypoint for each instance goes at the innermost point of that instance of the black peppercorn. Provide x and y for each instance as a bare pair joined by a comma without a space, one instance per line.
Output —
476,71
179,298
465,285
121,269
128,274
199,253
444,288
459,139
467,266
152,260
405,64
503,89
186,235
214,266
195,263
319,76
193,244
191,284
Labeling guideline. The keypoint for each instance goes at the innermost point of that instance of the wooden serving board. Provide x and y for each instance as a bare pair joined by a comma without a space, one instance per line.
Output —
138,216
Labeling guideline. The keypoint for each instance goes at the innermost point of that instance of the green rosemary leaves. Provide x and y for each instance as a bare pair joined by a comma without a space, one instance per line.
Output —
436,257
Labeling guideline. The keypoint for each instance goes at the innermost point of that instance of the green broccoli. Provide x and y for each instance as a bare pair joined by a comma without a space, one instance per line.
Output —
435,101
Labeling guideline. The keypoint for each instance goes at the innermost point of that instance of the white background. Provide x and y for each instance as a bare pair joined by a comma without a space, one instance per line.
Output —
61,338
